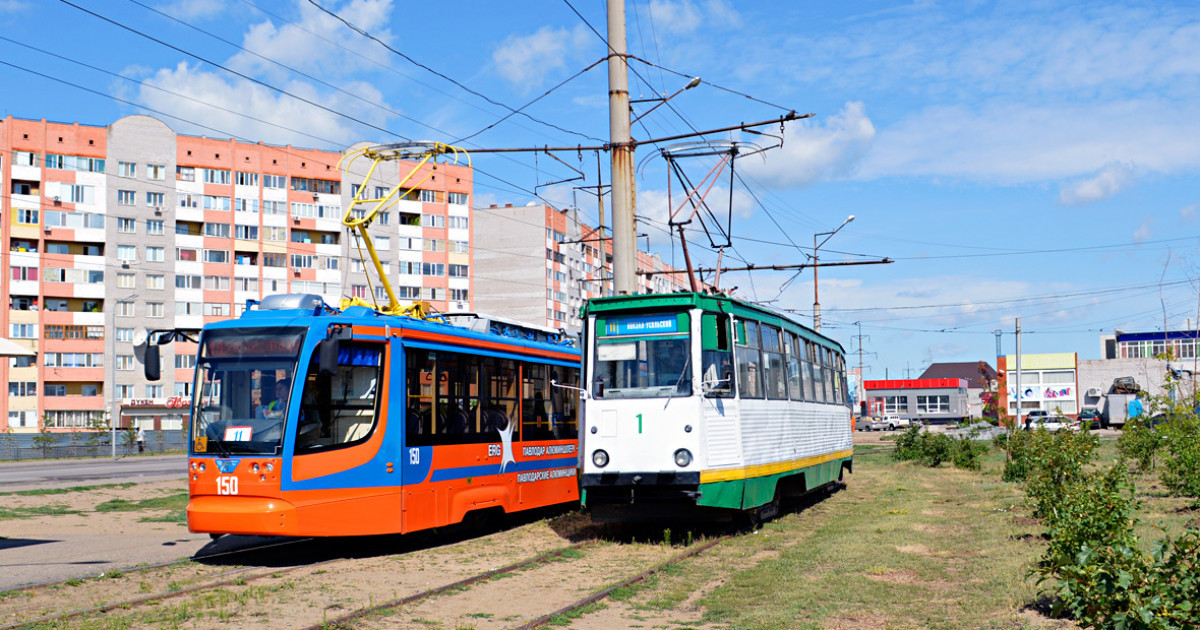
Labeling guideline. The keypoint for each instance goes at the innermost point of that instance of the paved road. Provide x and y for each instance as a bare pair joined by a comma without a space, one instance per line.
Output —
75,472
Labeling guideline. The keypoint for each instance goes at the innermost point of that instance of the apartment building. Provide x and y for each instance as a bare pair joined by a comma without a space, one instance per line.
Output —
539,264
109,230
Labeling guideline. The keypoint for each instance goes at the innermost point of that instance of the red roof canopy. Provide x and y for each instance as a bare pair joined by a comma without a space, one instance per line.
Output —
917,383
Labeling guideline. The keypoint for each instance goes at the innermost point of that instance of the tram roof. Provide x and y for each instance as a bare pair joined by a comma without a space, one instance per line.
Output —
704,301
359,315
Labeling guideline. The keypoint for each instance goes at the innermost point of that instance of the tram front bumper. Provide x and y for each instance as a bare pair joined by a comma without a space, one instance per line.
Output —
650,487
263,516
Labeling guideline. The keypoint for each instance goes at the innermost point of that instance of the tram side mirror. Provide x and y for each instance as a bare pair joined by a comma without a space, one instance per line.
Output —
151,365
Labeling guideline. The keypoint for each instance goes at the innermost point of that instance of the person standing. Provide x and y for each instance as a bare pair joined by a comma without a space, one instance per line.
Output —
1135,407
141,440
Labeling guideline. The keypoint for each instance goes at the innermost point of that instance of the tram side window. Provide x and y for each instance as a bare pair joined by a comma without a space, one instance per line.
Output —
341,409
457,396
418,389
749,360
806,378
716,356
792,345
775,379
841,377
814,367
500,395
535,403
827,375
564,403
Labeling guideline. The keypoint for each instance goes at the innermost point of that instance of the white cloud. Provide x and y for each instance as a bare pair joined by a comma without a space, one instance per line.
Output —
195,9
1017,143
260,113
818,152
1108,182
1142,234
1188,212
13,6
527,60
675,17
317,43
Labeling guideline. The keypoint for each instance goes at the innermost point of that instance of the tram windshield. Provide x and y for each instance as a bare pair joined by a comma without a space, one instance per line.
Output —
632,364
243,386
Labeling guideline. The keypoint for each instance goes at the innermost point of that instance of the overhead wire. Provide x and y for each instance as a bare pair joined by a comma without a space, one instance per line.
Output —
361,31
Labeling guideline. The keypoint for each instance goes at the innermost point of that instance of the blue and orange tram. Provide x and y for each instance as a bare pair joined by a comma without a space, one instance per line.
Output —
312,421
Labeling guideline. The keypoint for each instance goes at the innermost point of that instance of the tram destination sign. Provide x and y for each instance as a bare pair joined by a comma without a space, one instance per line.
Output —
645,325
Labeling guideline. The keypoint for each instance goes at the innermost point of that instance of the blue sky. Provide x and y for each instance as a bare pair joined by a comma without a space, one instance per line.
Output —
1036,160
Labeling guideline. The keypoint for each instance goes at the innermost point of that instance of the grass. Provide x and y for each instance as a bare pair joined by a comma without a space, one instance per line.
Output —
902,546
49,491
175,504
7,512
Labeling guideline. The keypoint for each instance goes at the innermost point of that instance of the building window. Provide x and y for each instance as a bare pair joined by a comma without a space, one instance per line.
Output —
216,256
216,230
124,309
212,202
154,254
154,309
183,389
433,220
274,260
127,169
246,179
185,173
459,199
125,280
302,261
216,176
154,226
26,216
22,388
127,226
246,232
187,200
216,283
274,181
156,171
458,223
125,334
126,198
216,309
126,253
124,391
458,271
155,199
154,281
458,295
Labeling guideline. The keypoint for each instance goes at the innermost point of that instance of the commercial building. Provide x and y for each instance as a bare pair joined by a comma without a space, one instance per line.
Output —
1048,382
108,230
1145,357
928,400
539,264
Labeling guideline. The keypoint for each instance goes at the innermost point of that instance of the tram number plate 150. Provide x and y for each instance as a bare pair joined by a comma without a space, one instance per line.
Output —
227,485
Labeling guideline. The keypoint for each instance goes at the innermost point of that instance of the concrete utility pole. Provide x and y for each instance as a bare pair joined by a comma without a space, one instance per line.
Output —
623,192
1018,368
862,388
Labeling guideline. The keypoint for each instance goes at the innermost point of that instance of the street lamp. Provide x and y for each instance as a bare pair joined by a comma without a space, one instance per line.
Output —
691,84
817,302
112,396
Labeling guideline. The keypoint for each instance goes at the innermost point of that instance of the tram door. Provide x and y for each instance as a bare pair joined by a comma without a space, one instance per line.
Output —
338,429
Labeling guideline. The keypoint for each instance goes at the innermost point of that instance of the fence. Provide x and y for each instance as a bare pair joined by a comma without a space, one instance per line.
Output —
17,446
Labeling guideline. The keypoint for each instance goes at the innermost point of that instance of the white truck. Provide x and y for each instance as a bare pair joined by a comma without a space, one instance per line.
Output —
891,423
1116,408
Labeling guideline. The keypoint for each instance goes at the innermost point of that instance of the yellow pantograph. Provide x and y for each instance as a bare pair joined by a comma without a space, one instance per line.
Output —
420,154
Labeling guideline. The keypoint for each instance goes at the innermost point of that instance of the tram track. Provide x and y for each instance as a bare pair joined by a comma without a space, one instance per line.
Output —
222,578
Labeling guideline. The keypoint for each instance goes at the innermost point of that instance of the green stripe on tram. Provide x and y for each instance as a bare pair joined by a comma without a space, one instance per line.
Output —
740,494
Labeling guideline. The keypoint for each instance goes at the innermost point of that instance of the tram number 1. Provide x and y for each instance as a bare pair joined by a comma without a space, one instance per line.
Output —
227,485
639,416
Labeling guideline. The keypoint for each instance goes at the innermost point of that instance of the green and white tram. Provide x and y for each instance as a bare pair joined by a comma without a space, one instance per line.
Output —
706,406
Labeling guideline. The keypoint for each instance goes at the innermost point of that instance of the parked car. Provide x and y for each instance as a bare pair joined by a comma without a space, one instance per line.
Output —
891,423
1125,385
1091,419
1049,423
868,423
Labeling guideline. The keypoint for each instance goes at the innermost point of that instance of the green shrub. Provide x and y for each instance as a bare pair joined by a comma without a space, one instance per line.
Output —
1181,462
966,454
1139,444
1054,462
908,444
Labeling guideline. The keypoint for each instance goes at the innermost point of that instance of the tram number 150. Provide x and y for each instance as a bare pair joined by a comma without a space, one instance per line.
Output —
227,485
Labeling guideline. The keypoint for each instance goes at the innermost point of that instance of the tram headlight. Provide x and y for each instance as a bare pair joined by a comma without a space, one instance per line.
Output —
201,466
254,468
270,467
683,457
600,458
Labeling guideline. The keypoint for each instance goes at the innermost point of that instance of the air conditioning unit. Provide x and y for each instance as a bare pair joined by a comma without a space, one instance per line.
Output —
295,219
1093,392
57,199
46,229
158,211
